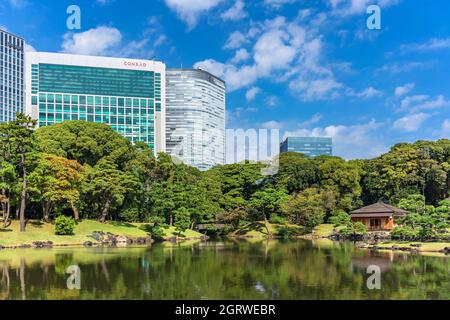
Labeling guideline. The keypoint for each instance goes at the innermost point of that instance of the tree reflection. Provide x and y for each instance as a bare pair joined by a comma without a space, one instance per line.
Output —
223,270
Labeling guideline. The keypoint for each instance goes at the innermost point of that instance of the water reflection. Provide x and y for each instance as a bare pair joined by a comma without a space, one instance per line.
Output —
222,270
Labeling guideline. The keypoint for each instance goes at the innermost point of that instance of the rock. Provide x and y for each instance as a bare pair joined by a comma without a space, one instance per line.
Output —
97,235
416,245
43,244
88,244
173,239
121,239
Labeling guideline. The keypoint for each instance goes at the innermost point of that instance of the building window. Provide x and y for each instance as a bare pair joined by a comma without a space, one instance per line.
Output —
375,223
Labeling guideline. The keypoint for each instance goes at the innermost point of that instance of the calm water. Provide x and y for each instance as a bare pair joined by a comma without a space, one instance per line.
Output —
222,270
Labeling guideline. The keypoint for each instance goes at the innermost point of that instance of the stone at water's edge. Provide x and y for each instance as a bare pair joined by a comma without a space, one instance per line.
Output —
43,244
110,239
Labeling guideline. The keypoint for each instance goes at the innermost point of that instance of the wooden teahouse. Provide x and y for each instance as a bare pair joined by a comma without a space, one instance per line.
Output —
378,217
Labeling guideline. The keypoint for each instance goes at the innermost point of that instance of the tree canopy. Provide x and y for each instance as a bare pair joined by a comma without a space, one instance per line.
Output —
89,171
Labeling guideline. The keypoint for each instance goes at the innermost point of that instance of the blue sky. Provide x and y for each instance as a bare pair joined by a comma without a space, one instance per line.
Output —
307,67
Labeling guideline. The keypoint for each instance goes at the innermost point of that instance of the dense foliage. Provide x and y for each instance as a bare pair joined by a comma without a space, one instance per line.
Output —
64,226
89,171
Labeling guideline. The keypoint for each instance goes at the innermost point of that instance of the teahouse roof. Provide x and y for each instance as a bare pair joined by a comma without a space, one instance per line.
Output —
377,210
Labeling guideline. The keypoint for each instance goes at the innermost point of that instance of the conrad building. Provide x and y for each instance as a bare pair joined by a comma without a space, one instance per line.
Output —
195,117
11,76
126,94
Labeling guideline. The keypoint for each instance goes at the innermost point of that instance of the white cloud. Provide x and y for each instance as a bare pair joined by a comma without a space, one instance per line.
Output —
236,12
431,44
411,100
411,122
367,93
29,48
108,41
251,94
235,40
350,142
283,51
278,3
95,41
272,125
402,90
103,2
17,3
241,55
351,7
423,102
316,89
272,101
446,127
437,103
313,120
190,10
162,38
396,68
135,48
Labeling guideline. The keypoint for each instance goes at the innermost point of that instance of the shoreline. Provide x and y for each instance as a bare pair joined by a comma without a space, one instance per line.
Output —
392,246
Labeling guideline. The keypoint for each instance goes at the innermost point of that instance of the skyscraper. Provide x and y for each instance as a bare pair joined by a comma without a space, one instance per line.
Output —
195,118
309,146
11,75
126,94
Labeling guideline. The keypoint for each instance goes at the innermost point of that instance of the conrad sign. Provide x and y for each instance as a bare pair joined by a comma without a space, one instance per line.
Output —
135,64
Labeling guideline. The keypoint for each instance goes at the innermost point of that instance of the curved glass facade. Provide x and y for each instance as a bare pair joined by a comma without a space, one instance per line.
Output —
195,117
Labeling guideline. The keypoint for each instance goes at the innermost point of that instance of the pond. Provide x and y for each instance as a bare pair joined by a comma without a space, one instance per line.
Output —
221,270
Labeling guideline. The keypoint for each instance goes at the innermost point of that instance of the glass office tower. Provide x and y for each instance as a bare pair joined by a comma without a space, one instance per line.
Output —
126,94
11,76
310,146
195,117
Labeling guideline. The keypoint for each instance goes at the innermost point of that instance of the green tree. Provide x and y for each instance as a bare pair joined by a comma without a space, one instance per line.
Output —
305,208
107,187
17,150
56,181
266,202
182,220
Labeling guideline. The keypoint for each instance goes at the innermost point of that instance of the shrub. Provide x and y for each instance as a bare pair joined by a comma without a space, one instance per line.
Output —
64,226
157,233
288,232
276,219
340,219
353,229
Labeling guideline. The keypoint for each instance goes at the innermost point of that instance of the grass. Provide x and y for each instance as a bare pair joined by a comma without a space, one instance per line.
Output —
39,231
324,230
171,232
425,246
258,230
